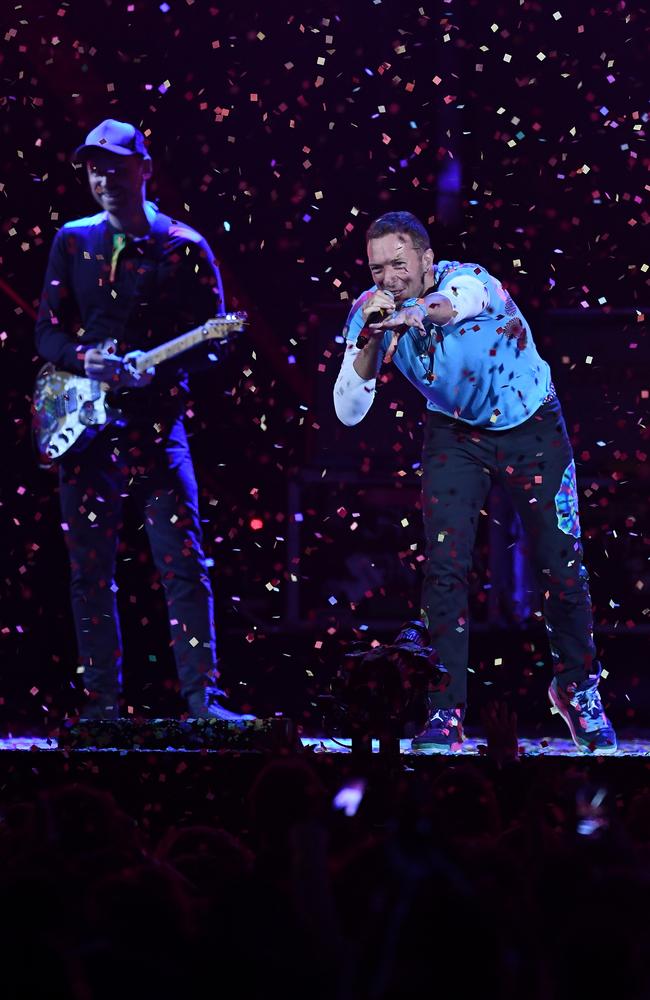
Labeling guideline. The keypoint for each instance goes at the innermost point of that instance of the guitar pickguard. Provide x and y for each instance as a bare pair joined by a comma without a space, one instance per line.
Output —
65,406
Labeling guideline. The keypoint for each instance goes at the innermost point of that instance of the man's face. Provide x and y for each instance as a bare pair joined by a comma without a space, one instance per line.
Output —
116,181
396,266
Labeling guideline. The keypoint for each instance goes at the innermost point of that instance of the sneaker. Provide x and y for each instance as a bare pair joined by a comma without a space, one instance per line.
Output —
582,710
207,705
444,731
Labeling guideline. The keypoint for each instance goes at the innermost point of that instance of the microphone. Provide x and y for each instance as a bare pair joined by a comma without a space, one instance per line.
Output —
373,317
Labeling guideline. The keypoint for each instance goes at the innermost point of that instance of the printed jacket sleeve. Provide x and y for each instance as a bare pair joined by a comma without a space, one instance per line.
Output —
468,296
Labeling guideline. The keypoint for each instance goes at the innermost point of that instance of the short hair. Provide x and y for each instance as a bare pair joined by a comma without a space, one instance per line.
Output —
400,222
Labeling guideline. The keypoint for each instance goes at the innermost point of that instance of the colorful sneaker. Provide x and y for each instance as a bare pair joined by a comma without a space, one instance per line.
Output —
444,731
582,710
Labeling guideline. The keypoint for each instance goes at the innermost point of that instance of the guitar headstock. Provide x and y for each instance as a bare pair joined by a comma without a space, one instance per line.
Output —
222,327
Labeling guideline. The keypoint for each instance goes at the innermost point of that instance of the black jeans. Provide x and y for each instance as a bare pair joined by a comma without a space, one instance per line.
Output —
156,472
534,462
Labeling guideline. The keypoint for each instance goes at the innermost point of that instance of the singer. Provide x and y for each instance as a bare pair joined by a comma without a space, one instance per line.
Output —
492,415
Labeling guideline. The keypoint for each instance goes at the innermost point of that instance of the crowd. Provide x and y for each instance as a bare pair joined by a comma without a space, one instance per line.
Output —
503,877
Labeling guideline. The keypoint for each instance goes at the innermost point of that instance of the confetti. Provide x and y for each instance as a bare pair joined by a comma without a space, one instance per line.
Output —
265,138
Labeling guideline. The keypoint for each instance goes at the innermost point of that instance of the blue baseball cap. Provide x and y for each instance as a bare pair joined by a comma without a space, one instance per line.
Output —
115,137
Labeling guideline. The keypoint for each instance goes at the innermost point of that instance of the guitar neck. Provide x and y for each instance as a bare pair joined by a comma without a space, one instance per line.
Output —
154,357
217,328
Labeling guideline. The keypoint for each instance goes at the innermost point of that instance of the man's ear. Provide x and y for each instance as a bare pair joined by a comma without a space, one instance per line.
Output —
427,259
147,169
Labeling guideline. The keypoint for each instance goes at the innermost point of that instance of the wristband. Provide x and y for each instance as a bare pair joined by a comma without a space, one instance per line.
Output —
407,303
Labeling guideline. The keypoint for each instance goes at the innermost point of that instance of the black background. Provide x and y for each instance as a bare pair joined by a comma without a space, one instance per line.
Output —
282,162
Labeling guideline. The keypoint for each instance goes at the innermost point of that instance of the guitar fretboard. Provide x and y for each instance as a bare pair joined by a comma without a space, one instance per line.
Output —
214,329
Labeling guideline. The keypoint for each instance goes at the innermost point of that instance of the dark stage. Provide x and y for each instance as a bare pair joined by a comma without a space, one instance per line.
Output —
637,745
209,784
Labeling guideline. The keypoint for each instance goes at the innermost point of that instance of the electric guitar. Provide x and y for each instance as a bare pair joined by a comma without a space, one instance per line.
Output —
68,410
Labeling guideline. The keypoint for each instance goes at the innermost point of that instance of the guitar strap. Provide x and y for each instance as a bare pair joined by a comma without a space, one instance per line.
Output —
119,242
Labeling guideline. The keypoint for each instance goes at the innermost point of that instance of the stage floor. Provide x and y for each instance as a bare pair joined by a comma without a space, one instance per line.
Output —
632,746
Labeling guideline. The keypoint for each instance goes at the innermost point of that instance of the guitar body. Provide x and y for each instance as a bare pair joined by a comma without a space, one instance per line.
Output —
68,410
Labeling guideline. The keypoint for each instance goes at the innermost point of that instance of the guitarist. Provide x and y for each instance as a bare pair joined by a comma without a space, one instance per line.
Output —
117,283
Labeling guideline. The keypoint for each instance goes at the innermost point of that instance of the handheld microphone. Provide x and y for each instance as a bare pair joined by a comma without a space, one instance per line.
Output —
373,317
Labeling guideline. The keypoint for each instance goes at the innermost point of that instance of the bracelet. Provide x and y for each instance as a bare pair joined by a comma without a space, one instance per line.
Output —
407,303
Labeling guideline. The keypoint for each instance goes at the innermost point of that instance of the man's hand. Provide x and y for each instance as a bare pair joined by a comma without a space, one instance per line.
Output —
379,302
102,364
399,322
131,377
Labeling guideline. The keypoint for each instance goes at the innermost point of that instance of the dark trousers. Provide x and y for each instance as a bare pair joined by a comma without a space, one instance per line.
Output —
534,463
156,473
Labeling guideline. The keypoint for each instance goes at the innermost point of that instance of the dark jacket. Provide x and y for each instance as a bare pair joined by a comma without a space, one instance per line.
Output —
101,285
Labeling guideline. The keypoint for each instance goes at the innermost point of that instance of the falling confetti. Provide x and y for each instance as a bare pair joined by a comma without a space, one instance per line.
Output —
520,139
